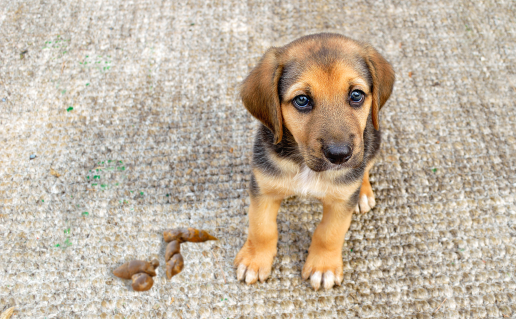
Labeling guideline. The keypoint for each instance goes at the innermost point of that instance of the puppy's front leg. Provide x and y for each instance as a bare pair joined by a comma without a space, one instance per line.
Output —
324,262
254,261
367,201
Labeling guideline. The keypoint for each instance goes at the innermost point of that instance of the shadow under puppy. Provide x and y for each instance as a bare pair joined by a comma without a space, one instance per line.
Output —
318,100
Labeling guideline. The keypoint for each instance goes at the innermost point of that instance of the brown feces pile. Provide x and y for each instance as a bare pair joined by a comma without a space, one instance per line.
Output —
141,272
175,237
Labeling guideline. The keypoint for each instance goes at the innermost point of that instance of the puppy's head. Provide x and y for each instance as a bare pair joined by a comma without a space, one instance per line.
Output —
322,88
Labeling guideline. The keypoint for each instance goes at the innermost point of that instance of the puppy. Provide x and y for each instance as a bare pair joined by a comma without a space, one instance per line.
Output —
318,101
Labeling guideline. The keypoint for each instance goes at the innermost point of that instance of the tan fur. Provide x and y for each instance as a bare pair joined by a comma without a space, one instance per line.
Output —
260,247
330,88
325,252
259,90
383,81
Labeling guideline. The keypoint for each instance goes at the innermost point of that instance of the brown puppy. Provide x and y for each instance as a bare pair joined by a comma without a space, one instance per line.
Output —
318,100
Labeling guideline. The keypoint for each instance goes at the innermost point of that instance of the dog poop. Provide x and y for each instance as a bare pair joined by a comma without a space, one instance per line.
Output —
174,238
175,265
140,271
142,282
127,270
172,249
187,234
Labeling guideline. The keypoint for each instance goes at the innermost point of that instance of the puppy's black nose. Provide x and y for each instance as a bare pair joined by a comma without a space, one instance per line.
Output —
338,154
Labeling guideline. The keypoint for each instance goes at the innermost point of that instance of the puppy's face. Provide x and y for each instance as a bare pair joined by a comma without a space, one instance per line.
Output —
325,102
323,89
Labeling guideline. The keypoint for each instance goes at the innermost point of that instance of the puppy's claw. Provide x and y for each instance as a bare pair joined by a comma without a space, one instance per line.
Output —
250,276
328,279
263,274
339,278
305,274
315,280
241,271
371,201
357,209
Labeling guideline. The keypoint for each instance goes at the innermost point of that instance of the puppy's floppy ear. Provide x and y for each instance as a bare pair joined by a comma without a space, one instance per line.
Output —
260,95
383,81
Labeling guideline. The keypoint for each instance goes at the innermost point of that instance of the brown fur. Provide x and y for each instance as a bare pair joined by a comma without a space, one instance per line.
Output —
259,93
290,151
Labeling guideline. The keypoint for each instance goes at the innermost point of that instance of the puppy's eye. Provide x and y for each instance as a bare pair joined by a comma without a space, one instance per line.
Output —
302,103
356,98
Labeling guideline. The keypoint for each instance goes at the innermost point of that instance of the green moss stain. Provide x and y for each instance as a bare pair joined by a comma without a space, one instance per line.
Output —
99,63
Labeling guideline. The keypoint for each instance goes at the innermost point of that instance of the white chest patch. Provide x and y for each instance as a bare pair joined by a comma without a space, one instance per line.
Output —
309,183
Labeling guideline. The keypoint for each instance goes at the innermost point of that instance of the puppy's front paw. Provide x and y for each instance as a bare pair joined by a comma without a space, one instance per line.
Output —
253,264
366,203
324,268
366,200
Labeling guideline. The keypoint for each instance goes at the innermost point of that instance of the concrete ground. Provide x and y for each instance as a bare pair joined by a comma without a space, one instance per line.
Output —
131,111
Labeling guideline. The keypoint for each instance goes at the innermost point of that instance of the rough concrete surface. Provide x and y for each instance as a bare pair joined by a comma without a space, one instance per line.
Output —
131,110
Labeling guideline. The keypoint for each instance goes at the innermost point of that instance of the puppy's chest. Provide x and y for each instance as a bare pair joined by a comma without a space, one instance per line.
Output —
309,183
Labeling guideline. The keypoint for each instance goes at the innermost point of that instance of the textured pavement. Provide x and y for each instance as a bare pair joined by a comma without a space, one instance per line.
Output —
132,112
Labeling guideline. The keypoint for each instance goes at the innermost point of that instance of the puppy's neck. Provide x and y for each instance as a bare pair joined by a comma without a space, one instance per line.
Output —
287,148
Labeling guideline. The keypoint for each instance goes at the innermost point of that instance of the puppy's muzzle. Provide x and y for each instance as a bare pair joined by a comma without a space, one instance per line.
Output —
338,154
